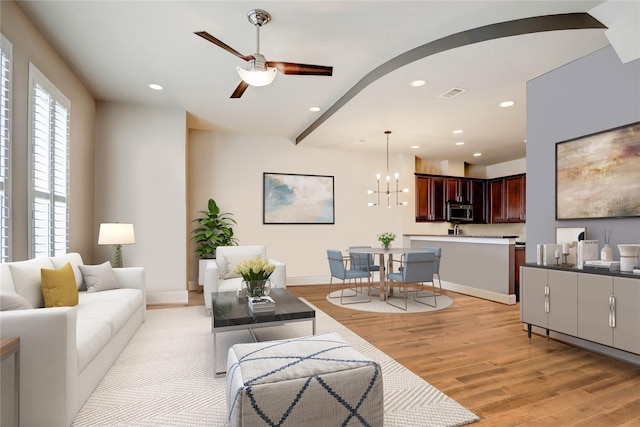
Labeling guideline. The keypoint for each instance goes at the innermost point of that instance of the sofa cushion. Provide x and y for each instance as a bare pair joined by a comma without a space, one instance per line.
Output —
75,260
59,287
115,313
99,277
26,279
133,297
13,301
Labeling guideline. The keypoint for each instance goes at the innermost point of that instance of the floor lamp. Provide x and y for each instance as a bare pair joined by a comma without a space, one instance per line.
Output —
116,234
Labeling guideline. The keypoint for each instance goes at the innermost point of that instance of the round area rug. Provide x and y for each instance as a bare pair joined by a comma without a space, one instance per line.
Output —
378,306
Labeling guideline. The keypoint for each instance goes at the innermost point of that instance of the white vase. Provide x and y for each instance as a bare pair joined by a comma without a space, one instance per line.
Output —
628,256
606,254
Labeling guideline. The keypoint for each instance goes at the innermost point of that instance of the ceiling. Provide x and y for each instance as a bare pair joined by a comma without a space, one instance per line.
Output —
118,47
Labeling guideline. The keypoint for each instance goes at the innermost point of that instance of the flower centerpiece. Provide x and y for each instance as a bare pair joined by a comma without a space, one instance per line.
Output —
386,238
255,272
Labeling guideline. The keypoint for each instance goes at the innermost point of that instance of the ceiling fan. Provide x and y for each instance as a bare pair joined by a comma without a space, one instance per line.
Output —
259,71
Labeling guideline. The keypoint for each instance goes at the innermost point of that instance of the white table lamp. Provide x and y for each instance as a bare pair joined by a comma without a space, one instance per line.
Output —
116,234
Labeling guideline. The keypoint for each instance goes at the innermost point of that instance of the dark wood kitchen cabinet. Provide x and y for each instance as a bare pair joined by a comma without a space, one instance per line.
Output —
431,198
458,190
478,199
507,199
493,200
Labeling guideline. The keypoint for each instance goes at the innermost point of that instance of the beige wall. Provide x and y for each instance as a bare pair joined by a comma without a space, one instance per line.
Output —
229,168
140,178
30,46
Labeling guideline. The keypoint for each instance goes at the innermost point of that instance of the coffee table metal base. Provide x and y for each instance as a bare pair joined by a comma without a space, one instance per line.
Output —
230,313
218,330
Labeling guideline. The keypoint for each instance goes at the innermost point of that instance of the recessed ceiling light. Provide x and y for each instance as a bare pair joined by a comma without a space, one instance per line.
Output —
477,154
360,141
458,131
418,83
315,109
459,143
155,86
505,104
415,146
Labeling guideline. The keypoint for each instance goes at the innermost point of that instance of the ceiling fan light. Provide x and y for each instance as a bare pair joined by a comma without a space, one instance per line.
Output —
257,77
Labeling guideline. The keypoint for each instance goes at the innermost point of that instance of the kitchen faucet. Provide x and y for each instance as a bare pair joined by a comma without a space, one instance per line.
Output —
455,229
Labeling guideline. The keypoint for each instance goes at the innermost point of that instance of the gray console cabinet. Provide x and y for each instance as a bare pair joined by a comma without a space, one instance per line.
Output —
549,299
609,311
596,307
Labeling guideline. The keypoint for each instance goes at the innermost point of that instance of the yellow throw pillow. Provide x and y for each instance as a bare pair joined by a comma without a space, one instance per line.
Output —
59,287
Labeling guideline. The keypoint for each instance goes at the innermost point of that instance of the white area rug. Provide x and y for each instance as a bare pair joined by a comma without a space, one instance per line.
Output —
165,377
378,306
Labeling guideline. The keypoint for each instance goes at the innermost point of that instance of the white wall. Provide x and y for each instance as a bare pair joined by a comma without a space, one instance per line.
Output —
140,177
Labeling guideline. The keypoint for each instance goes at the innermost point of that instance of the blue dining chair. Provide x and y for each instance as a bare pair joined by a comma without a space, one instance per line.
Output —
340,269
363,261
438,252
417,269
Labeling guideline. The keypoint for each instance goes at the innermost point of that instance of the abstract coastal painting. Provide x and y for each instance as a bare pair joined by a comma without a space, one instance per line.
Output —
598,175
298,199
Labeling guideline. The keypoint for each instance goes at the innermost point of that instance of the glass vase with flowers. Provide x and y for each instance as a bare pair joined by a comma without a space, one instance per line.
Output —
255,273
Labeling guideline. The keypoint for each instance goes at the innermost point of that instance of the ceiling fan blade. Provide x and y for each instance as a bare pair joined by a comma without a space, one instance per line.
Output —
240,89
303,69
223,45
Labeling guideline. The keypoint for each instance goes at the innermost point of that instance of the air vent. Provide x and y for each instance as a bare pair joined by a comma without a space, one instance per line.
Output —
452,92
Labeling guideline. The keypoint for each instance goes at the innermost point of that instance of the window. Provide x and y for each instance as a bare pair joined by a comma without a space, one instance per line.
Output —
49,167
5,149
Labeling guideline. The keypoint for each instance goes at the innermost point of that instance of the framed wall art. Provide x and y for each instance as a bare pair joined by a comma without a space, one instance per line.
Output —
597,176
298,199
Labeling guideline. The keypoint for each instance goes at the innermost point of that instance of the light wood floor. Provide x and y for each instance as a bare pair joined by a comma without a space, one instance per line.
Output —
476,352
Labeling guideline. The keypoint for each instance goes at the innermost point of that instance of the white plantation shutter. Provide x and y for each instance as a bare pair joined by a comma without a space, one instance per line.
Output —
49,175
6,53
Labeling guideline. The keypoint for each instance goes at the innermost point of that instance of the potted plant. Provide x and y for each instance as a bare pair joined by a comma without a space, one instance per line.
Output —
213,229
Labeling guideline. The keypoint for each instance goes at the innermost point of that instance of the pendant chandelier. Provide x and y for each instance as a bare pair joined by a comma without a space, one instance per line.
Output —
388,191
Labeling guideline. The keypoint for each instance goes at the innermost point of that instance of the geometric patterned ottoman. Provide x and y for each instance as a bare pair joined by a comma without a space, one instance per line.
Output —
317,380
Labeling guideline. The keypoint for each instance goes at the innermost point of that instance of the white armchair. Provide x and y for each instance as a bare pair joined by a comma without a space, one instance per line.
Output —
219,276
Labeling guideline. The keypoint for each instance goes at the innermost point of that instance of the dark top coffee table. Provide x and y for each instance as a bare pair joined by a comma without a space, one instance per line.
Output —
231,313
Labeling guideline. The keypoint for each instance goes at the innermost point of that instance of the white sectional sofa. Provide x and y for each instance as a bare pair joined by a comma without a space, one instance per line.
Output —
65,351
217,277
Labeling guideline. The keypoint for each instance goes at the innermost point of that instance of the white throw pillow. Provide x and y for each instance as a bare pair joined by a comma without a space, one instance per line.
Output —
13,301
222,267
231,262
99,277
26,279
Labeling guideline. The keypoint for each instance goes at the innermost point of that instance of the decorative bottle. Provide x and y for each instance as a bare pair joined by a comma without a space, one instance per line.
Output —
606,254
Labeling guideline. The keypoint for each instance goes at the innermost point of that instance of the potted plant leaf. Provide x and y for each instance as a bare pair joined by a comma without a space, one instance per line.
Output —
213,229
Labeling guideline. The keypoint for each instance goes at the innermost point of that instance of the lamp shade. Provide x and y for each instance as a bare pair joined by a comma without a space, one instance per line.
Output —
116,234
257,77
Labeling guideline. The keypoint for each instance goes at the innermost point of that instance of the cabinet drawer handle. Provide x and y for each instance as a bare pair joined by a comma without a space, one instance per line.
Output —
546,299
612,311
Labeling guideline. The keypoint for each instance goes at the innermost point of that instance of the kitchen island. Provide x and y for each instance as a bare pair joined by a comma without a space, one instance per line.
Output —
480,266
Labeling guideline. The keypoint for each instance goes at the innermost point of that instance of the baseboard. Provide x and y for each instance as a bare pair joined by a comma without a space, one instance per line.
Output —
308,280
168,297
480,293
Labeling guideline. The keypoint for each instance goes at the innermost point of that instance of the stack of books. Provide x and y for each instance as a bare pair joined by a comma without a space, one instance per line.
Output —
602,265
261,305
587,250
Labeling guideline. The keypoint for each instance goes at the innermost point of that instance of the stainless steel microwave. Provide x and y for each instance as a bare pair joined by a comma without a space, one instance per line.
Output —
459,212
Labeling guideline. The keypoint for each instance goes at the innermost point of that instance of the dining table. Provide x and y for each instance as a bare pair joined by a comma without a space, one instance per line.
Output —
385,292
